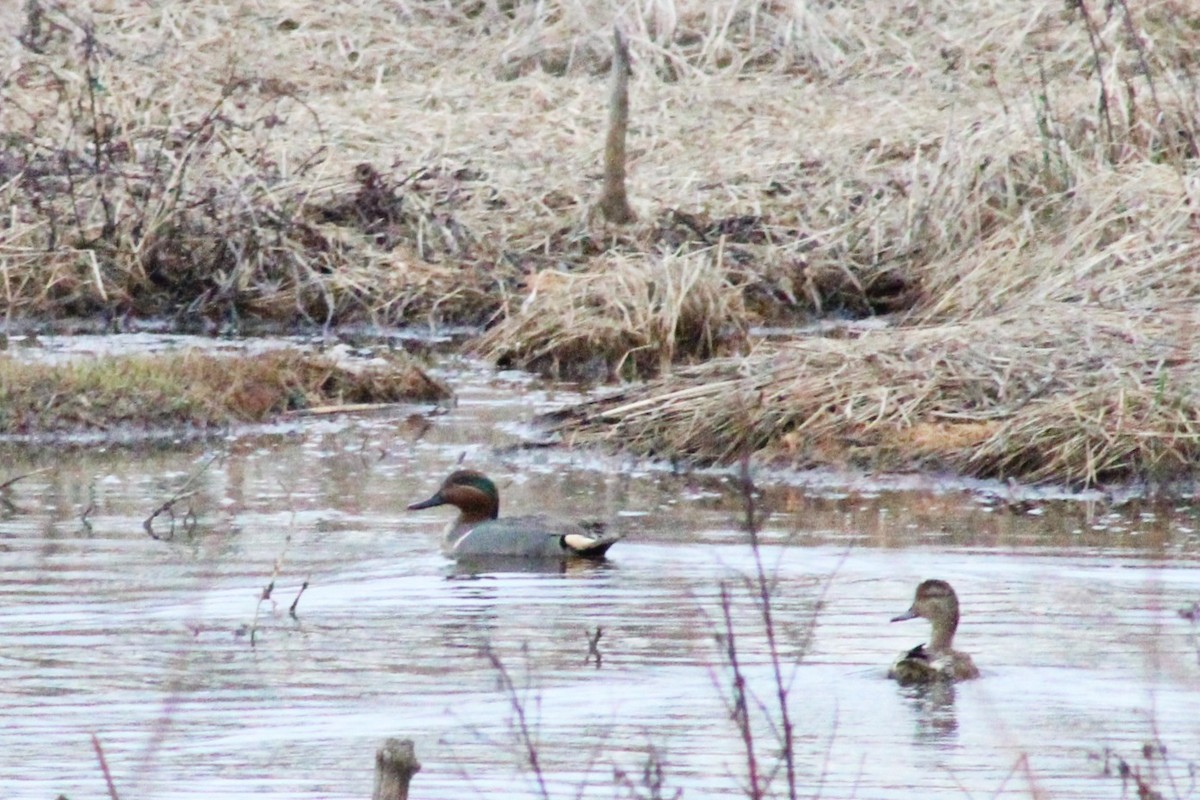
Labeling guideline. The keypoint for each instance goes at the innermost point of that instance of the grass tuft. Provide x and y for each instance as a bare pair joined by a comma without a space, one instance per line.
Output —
190,389
626,317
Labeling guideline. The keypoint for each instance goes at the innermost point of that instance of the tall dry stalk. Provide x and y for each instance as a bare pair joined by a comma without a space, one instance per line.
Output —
614,203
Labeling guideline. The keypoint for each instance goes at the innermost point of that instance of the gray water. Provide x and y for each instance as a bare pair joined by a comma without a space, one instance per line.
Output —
1069,608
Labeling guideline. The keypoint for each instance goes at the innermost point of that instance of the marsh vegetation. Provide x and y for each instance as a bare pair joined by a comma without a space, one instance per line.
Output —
1012,189
195,390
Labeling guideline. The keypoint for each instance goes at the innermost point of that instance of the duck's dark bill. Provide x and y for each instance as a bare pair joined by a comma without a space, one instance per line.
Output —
436,500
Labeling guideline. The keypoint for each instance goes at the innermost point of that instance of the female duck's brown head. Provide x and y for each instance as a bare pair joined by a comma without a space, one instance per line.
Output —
935,601
473,493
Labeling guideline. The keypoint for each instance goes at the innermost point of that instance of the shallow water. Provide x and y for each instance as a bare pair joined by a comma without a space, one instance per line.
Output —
1070,609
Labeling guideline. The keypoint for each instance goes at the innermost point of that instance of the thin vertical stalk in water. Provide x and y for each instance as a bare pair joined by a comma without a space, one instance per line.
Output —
741,709
112,787
510,691
764,598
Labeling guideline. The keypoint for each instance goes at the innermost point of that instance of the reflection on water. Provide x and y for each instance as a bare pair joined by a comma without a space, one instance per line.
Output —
933,712
497,566
1069,609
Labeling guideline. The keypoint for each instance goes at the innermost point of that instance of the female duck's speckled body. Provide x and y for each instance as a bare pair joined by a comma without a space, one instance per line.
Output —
477,532
936,602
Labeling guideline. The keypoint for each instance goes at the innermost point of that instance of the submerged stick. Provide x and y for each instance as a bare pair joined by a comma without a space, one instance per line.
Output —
395,764
8,483
167,507
614,203
594,647
296,602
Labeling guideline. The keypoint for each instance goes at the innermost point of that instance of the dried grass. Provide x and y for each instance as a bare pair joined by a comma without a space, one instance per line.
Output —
1056,392
633,316
192,389
410,162
962,166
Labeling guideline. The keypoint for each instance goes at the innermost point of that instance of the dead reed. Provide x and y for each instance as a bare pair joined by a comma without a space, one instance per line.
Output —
1158,774
195,390
1054,391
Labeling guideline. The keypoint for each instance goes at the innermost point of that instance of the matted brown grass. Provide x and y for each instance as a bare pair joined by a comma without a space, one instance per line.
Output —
1051,392
193,390
635,316
404,162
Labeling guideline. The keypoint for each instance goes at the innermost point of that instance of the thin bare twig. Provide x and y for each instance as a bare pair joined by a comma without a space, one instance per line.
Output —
518,707
764,587
183,494
740,711
269,589
108,780
8,483
263,596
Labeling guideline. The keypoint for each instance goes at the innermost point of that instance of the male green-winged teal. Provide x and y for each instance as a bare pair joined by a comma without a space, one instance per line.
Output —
936,602
478,532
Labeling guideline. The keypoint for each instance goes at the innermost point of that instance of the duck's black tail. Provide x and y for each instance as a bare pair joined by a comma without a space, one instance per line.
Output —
593,544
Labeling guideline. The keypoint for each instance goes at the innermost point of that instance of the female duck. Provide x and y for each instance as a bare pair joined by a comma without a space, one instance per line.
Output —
478,532
936,602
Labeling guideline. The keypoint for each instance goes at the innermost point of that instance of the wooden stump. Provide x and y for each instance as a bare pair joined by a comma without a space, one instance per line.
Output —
395,764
